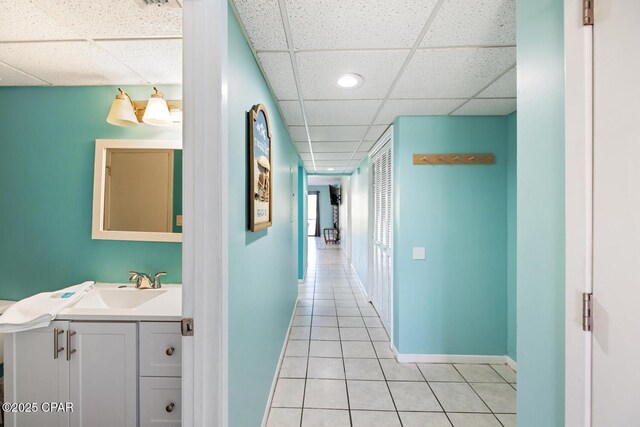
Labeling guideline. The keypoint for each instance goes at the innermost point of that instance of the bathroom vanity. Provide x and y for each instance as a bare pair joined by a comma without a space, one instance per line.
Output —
114,355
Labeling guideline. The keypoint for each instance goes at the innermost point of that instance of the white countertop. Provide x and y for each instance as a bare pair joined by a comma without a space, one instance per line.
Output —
164,304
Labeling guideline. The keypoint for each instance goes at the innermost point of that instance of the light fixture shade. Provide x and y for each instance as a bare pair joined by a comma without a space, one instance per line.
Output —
157,112
122,113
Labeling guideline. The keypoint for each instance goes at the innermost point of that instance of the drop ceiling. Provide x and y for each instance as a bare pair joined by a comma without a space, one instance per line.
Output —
426,57
80,42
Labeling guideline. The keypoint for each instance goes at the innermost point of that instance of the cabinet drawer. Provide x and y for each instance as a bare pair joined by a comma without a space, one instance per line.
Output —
160,349
160,402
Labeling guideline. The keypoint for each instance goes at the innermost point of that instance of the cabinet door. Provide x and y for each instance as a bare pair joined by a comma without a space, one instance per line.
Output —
102,374
160,402
35,371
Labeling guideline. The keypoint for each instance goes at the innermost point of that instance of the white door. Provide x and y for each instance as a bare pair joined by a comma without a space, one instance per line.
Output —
103,374
381,229
616,280
38,358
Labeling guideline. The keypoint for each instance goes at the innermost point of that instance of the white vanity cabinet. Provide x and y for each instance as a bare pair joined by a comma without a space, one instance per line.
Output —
94,365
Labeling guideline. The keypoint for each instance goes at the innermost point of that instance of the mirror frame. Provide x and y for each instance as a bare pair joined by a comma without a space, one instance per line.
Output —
97,228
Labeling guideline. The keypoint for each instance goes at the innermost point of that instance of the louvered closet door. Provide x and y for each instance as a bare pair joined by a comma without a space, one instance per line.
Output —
381,233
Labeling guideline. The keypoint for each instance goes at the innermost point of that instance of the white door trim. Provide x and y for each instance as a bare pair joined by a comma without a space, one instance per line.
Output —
578,51
205,211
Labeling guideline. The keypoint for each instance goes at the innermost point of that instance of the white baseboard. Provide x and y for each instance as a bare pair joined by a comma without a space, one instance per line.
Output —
360,285
300,281
512,363
275,376
451,358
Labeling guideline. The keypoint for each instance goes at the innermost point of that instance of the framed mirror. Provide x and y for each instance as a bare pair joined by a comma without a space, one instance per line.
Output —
137,190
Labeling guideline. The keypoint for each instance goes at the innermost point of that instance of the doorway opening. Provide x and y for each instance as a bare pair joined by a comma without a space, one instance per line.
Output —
313,223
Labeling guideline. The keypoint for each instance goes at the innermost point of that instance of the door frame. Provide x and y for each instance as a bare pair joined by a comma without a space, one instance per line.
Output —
578,53
205,213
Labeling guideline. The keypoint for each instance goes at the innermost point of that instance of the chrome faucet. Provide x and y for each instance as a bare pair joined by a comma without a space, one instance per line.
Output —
143,280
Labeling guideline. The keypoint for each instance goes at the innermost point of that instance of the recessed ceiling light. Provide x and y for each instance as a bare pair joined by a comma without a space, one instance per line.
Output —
330,169
350,81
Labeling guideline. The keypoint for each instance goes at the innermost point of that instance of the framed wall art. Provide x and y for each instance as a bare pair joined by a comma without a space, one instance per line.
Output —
260,169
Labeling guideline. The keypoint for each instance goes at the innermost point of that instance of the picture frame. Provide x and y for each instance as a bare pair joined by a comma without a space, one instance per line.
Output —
260,190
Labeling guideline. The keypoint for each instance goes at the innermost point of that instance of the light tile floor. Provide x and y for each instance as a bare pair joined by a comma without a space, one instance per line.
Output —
339,371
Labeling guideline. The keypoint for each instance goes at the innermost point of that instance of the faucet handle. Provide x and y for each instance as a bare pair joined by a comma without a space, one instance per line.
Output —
134,276
156,278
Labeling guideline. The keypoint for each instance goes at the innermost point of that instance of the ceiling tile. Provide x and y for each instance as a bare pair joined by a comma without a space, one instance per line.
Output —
487,107
22,20
376,132
331,163
327,156
328,133
334,147
114,18
366,146
83,64
254,15
12,77
277,67
473,23
158,61
319,72
292,112
302,147
347,112
339,24
504,87
416,107
452,73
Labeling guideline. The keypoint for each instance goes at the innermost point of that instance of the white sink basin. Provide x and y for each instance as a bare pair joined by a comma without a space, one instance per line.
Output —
121,299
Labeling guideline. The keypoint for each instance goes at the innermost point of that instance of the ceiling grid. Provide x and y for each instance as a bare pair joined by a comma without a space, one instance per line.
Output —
433,57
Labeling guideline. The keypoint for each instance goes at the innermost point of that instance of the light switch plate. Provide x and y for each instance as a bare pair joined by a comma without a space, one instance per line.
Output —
419,253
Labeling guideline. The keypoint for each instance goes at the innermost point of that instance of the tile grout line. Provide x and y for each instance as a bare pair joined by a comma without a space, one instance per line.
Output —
344,368
306,373
477,394
384,375
434,395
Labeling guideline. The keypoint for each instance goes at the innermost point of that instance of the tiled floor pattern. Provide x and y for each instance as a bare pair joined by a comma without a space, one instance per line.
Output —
339,371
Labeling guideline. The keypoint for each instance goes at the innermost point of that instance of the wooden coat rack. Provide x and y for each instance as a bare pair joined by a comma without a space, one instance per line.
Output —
454,159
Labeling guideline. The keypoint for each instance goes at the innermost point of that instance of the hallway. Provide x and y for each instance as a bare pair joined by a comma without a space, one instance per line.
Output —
338,369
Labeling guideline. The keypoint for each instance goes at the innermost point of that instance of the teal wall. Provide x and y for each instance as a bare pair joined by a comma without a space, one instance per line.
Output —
302,223
455,301
512,199
360,221
47,146
326,210
262,265
541,213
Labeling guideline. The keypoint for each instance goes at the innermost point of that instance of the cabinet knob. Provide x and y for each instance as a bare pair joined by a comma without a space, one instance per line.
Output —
170,351
169,407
